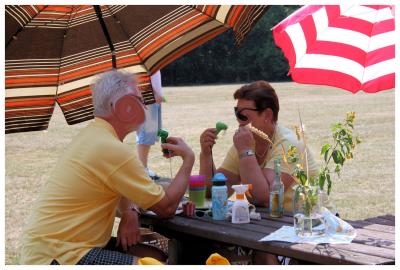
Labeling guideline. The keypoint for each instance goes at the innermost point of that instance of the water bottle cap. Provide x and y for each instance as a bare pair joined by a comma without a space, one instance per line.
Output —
219,177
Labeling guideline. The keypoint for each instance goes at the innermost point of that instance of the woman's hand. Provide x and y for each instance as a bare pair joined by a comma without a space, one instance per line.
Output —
243,140
207,140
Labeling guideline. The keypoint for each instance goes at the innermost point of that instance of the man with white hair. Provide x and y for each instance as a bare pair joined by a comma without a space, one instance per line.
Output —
72,220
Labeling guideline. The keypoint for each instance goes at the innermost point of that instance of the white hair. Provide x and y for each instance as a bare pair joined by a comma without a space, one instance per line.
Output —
108,88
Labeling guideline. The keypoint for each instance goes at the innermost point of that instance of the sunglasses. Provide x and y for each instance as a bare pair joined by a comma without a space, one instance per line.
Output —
242,117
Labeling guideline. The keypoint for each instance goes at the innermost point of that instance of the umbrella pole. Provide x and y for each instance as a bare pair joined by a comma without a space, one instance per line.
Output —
106,34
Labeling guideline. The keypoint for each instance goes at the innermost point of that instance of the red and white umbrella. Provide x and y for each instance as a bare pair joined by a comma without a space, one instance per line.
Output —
351,47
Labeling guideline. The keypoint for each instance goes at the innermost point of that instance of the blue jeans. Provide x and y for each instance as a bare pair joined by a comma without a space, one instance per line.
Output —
147,133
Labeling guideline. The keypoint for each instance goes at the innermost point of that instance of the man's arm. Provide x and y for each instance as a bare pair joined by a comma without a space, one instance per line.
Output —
167,206
128,230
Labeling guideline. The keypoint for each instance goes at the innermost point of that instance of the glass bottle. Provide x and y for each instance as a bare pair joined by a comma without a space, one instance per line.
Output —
276,193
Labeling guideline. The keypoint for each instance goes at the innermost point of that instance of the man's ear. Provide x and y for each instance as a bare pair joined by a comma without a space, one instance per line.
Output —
269,115
129,109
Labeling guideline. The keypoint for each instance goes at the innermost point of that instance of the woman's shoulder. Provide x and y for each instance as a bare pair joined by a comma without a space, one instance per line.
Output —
284,134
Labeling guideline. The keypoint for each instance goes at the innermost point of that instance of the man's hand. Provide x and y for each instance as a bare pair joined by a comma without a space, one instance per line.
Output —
178,147
128,230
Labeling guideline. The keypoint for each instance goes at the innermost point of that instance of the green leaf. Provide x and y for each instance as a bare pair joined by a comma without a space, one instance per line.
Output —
337,157
303,179
328,178
325,148
321,180
297,194
336,126
348,149
341,157
350,140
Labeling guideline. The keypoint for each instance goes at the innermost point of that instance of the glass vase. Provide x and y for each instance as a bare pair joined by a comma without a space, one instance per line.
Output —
307,216
327,202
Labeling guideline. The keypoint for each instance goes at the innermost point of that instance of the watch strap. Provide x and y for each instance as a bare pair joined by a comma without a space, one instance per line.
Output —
246,153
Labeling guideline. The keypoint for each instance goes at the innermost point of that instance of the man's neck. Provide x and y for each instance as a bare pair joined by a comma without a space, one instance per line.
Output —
121,132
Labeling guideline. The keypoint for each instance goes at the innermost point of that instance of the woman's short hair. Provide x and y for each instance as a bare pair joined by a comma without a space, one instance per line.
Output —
263,95
108,88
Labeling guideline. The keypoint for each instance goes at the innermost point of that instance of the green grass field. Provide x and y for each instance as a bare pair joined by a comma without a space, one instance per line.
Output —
366,189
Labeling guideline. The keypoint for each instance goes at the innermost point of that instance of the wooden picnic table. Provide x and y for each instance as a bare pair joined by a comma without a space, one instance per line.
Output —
374,244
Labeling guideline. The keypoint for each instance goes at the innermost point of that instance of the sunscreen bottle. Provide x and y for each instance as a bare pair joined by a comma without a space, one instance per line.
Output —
240,208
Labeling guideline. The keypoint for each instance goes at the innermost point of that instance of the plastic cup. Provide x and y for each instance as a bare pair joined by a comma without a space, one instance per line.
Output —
197,190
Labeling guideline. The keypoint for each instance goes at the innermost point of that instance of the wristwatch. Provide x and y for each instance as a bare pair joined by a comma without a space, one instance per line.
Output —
246,153
135,208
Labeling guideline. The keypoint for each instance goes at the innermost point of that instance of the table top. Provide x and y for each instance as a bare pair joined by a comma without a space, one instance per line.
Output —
374,244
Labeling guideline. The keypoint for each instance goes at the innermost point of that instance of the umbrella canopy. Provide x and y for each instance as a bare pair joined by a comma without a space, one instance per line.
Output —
53,52
350,47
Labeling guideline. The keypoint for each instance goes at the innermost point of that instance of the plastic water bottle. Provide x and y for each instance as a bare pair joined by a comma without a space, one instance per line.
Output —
219,196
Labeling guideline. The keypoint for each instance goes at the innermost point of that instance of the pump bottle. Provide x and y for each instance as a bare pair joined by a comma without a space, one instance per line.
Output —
240,208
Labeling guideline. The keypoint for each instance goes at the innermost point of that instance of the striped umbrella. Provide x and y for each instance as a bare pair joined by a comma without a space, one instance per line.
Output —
53,52
350,47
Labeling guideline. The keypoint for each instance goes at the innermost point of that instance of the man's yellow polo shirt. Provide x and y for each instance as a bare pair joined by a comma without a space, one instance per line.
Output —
76,208
282,139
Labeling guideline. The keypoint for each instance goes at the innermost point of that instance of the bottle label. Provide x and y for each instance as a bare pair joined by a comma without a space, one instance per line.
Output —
276,203
219,203
241,214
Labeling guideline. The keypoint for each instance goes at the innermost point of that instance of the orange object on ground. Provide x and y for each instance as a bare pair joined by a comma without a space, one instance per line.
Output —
149,261
216,259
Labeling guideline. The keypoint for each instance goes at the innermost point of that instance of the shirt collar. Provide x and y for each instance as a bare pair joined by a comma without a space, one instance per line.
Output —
106,125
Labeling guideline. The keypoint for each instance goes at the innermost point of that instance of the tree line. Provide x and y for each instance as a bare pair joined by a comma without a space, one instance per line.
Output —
220,61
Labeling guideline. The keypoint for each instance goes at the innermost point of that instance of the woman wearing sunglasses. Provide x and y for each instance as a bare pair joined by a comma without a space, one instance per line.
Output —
250,160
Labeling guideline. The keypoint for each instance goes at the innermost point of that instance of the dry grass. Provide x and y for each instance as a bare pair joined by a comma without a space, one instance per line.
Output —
365,190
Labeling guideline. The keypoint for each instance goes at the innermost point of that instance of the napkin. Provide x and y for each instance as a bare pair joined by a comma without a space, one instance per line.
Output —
337,231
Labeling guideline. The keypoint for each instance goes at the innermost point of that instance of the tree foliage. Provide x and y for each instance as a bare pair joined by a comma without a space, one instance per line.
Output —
219,61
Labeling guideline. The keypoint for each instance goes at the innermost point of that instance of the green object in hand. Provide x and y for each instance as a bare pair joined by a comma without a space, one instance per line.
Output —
163,134
220,126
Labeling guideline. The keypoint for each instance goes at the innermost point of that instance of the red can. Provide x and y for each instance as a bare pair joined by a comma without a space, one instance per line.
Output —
188,209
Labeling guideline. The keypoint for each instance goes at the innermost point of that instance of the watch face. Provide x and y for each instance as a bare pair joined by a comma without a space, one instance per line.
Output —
246,153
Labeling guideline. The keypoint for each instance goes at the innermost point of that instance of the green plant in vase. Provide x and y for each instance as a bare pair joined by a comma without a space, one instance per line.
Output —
312,192
339,151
